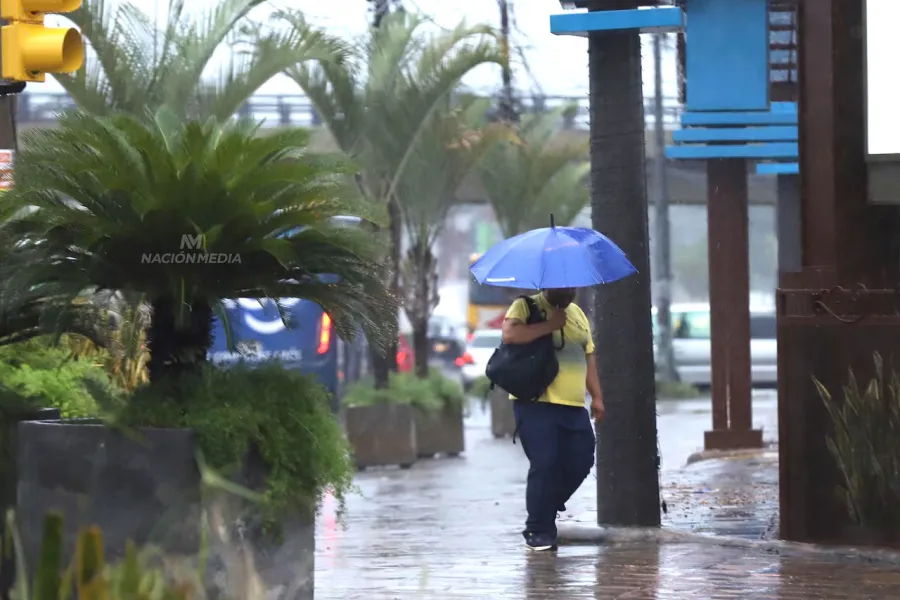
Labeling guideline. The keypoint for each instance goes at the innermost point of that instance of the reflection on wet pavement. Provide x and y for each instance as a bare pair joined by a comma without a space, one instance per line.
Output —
450,529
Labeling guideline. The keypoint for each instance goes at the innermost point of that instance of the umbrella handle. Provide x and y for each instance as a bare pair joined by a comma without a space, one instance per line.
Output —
562,338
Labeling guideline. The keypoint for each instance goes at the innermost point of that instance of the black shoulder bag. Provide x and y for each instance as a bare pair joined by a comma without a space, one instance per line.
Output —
525,370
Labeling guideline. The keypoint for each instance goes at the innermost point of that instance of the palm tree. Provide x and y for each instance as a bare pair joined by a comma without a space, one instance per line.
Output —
536,174
627,452
452,141
134,67
100,202
377,103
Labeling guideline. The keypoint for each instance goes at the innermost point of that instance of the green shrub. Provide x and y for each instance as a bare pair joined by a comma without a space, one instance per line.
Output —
429,395
49,376
481,388
448,392
866,448
283,414
89,576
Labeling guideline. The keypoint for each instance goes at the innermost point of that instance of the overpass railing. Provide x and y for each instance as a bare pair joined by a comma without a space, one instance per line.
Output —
281,110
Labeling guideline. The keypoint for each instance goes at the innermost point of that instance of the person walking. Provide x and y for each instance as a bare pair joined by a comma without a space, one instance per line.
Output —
556,430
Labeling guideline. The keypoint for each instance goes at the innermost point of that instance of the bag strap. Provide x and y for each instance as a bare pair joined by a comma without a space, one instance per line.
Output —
535,314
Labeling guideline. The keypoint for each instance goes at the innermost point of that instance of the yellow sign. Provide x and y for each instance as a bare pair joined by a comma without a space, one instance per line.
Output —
31,50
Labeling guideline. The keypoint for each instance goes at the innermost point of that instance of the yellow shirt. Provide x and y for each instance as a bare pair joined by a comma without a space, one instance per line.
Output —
569,387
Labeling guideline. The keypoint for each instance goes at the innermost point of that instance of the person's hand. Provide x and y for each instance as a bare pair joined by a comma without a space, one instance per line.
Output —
557,319
598,411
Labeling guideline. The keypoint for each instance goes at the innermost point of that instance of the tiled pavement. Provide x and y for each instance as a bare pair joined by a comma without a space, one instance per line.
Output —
449,529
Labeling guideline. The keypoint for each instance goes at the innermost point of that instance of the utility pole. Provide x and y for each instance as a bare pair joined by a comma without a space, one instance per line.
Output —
507,99
665,353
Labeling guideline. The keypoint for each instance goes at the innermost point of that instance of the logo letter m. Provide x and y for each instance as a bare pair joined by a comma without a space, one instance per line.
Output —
192,242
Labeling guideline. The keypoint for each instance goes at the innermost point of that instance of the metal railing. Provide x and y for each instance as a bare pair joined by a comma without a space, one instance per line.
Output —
282,110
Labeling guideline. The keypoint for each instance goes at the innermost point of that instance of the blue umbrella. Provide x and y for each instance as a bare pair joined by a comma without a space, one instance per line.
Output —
553,257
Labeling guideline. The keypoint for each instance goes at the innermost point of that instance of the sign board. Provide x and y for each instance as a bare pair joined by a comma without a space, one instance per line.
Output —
882,80
6,169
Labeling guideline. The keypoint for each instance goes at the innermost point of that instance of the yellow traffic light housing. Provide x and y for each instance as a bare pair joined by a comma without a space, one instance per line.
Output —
28,49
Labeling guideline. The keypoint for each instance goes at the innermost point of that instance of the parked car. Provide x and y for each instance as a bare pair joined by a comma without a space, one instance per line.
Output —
691,344
478,351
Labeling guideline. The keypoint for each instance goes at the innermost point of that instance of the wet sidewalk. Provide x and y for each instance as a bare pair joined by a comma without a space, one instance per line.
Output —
450,529
735,496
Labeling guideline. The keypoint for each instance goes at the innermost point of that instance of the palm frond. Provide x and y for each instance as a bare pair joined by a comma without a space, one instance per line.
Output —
97,196
537,174
267,54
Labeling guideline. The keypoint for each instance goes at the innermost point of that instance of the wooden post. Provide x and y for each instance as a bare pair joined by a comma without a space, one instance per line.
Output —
729,300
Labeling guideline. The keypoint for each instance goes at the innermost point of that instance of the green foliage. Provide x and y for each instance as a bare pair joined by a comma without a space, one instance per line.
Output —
675,390
90,577
429,395
481,389
281,414
866,448
538,173
448,392
50,378
98,197
136,67
378,103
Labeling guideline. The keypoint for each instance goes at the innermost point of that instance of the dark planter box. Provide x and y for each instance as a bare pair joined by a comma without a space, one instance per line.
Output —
503,421
440,432
382,435
144,487
9,442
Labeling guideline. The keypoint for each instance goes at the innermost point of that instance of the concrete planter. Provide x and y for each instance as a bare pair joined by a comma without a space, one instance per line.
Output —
145,488
503,421
382,435
440,432
9,444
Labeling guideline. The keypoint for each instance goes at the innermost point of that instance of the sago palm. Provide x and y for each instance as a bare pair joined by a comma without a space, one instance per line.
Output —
452,141
135,66
41,312
377,103
539,173
107,202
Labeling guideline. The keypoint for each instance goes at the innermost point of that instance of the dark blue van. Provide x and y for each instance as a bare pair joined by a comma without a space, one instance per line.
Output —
310,344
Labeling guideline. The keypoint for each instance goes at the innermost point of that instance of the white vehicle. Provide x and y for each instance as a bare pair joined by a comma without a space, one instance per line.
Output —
478,352
691,344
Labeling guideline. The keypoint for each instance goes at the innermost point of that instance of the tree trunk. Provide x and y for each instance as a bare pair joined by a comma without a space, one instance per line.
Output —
420,347
384,361
627,449
175,351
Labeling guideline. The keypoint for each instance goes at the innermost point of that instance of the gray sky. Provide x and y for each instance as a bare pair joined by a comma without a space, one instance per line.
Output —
558,64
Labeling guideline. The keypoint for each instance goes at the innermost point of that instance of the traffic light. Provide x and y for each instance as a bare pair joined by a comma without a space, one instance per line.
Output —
28,49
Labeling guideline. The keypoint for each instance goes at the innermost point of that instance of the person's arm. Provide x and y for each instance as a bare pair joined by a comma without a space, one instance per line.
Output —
598,409
593,379
516,332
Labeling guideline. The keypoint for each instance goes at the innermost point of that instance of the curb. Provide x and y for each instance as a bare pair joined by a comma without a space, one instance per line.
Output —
769,451
576,535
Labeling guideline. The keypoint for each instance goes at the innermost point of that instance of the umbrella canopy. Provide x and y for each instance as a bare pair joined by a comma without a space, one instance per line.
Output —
553,257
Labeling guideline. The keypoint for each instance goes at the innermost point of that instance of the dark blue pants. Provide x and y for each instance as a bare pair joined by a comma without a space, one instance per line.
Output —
559,443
